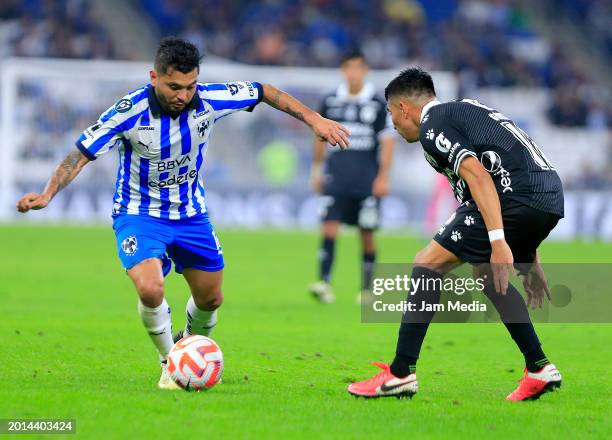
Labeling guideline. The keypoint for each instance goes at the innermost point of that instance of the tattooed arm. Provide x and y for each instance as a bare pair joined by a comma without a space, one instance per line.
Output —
325,129
63,175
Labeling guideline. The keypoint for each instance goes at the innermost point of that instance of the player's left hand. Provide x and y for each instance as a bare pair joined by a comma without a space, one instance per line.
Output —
332,132
502,262
536,286
380,186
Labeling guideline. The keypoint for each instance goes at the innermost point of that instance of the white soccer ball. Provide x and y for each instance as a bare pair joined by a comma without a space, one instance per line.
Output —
195,363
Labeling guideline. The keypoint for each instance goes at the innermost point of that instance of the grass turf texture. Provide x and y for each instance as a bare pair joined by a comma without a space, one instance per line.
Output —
73,347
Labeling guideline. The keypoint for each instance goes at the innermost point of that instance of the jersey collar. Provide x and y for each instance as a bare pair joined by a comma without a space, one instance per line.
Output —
427,106
367,92
155,106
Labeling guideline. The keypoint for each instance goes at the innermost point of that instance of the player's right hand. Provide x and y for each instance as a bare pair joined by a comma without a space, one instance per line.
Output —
502,262
32,201
332,132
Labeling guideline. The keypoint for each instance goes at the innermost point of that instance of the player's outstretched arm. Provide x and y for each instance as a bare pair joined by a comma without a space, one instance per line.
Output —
485,195
326,129
63,175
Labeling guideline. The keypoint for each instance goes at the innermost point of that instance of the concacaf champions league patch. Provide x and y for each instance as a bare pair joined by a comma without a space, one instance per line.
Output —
123,105
129,245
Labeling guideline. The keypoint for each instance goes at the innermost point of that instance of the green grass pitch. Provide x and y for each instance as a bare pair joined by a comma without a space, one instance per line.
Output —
72,346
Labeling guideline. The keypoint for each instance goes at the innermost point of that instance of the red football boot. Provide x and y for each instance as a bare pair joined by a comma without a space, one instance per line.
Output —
533,385
385,384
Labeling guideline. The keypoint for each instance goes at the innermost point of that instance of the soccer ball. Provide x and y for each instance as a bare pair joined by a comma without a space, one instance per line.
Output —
195,363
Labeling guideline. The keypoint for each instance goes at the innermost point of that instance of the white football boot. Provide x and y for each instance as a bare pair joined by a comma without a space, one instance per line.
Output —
165,381
322,291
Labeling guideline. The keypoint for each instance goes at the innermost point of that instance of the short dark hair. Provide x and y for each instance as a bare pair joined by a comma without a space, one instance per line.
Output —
354,53
413,81
177,53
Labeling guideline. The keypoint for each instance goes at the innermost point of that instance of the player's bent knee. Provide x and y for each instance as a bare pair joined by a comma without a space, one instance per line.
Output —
422,258
436,258
367,240
329,236
210,301
330,230
151,292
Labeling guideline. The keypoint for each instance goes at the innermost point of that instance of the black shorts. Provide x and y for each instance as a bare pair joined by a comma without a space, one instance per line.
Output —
465,234
358,211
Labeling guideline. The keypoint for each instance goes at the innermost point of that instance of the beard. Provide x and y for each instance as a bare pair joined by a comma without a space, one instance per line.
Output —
169,107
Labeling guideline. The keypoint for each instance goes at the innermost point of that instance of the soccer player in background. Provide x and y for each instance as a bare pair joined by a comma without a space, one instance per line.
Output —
510,199
161,132
352,183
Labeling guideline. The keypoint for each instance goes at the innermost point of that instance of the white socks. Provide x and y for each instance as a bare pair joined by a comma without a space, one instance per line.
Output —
199,322
158,323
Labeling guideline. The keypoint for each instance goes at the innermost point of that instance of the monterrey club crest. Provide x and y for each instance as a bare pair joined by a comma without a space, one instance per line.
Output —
202,127
129,245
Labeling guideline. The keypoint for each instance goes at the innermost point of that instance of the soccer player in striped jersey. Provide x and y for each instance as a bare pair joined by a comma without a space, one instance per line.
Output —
161,132
511,198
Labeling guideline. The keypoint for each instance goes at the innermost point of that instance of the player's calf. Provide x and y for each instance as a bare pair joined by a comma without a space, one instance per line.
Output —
206,298
199,322
153,309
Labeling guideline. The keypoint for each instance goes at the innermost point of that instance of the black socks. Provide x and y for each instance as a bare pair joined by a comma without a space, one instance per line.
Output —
511,308
513,312
414,325
367,269
326,258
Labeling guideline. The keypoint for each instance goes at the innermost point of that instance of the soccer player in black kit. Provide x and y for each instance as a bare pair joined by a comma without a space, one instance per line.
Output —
510,199
352,183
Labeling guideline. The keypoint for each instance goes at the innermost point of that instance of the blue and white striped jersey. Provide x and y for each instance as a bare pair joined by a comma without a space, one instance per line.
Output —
160,157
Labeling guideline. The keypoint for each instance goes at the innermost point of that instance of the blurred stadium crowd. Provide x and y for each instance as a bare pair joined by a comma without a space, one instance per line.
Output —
486,42
52,28
496,44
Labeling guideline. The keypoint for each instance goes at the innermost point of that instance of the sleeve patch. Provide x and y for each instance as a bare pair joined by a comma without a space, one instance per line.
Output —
89,132
123,105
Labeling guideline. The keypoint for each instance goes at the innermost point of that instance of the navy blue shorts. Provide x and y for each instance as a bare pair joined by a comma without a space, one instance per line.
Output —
363,212
189,243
